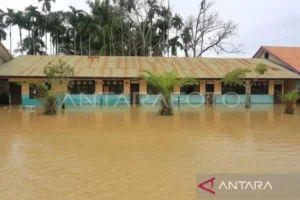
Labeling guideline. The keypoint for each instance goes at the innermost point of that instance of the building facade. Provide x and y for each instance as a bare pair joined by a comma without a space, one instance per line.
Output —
113,80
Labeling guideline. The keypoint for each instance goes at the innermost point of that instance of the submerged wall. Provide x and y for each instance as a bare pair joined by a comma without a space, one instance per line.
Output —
78,100
241,99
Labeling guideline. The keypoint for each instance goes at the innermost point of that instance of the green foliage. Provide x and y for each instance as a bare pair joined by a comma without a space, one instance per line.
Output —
58,75
261,69
47,97
238,76
60,70
165,83
289,99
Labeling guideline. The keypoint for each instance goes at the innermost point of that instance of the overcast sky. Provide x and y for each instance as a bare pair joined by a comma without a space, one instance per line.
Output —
261,22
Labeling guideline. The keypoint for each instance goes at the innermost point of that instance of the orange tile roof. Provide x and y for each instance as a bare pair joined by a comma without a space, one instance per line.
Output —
129,67
289,55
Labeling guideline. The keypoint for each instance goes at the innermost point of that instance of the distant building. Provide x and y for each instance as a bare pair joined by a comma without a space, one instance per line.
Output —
110,80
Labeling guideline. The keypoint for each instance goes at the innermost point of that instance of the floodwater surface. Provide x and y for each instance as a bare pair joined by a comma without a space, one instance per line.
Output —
134,154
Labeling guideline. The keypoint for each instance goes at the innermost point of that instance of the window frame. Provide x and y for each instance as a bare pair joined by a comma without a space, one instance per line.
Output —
83,87
114,89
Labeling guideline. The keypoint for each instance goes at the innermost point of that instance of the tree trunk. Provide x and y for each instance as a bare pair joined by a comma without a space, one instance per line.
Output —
56,43
10,39
248,96
122,37
74,43
50,46
46,39
150,39
129,46
80,45
89,44
21,42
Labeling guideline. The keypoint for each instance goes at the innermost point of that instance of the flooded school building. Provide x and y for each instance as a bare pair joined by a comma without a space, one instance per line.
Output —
113,80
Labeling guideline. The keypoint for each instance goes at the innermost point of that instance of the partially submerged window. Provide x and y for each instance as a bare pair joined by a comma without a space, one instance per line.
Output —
233,88
36,91
113,87
152,90
82,87
189,89
260,87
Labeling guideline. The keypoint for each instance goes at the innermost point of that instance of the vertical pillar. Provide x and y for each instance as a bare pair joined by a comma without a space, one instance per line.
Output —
177,90
25,88
271,88
126,86
143,87
99,86
217,86
202,87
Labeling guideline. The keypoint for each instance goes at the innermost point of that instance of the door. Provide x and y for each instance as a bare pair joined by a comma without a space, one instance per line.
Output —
210,89
4,92
277,93
134,93
15,93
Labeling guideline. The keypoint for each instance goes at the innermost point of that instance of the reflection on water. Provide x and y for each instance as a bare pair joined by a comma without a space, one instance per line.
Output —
132,153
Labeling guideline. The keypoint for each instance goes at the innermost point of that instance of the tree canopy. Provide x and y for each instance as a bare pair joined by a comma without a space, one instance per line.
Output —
117,28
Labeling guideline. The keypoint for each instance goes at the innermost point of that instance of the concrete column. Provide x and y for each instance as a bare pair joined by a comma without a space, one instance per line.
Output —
177,90
271,87
99,86
218,87
202,87
143,87
126,87
25,88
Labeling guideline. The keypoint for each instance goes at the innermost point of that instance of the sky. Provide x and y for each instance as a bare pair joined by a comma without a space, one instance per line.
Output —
261,22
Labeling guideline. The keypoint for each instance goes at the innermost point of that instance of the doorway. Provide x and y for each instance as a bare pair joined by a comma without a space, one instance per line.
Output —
277,93
15,91
210,89
134,93
4,92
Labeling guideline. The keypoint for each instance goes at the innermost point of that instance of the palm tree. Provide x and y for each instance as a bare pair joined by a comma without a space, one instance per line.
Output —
31,49
46,8
93,29
186,40
289,100
74,18
177,23
34,27
3,26
9,17
164,84
19,20
57,29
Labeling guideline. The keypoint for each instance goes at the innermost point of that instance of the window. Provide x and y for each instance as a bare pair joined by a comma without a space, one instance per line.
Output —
266,55
209,87
34,92
188,89
151,90
260,87
82,86
115,87
239,89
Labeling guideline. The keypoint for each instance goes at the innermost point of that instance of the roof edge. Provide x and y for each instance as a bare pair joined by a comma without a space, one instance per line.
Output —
6,51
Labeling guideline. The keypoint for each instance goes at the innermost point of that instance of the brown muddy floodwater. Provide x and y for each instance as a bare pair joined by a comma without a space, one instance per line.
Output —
132,153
